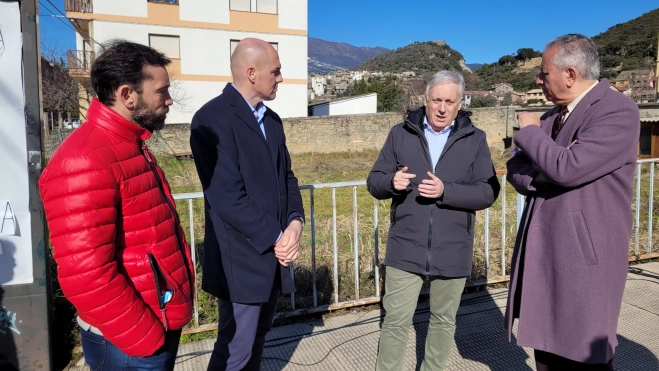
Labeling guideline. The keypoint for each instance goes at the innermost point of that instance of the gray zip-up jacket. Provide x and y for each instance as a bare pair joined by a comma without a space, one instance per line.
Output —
434,237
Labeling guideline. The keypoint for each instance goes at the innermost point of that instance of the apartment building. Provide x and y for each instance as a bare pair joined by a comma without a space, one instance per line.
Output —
199,36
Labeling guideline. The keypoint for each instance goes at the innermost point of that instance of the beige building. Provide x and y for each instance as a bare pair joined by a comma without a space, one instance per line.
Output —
199,37
536,94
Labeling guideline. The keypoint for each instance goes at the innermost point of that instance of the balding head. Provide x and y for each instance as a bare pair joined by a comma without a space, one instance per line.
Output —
249,53
256,70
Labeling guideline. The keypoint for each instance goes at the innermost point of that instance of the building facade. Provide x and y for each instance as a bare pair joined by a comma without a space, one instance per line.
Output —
367,103
199,37
637,84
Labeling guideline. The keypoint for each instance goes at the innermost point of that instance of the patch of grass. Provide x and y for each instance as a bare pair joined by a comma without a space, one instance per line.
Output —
314,168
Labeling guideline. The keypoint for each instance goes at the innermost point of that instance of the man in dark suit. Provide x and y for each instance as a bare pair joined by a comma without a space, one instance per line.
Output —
254,213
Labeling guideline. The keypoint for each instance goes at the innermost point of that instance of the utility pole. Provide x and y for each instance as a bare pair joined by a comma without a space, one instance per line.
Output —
24,269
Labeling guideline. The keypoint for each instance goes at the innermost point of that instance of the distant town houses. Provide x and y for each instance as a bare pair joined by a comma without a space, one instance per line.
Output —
639,85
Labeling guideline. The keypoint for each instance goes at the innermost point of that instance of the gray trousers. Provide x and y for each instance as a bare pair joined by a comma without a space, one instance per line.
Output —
400,300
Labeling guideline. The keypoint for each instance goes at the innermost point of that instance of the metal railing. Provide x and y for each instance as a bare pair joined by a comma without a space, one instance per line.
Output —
506,241
79,6
79,59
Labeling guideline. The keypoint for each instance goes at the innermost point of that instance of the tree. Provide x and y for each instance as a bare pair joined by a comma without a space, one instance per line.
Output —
389,93
60,91
507,99
507,60
483,101
524,54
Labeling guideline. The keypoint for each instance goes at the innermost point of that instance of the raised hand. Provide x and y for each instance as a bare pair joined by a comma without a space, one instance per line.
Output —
402,179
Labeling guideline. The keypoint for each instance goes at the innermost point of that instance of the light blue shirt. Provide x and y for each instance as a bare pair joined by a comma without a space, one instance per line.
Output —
258,112
436,141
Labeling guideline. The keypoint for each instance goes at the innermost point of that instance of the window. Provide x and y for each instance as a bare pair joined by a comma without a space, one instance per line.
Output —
258,6
266,6
173,2
168,45
241,5
235,42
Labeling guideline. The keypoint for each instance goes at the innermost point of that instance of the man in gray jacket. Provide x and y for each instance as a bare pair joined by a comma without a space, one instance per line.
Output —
436,168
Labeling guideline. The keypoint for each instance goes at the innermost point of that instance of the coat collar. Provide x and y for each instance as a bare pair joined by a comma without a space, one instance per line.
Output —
573,121
242,109
414,119
106,118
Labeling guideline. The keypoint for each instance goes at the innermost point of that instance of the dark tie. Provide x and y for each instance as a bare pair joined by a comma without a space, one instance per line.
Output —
558,122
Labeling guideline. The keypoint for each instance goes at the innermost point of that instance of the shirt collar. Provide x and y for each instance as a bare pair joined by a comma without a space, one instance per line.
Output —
427,127
259,111
573,104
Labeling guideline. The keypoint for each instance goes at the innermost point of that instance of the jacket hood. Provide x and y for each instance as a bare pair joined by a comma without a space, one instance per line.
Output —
415,118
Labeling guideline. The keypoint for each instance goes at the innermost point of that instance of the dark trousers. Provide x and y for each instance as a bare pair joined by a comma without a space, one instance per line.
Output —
101,355
241,334
551,362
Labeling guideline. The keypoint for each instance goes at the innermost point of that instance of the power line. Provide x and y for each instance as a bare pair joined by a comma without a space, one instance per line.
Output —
67,24
75,25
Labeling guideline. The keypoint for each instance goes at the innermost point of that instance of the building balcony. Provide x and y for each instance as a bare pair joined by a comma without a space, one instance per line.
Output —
79,6
79,62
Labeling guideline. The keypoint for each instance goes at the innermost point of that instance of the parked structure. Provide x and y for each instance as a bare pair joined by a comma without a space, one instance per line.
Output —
367,103
199,36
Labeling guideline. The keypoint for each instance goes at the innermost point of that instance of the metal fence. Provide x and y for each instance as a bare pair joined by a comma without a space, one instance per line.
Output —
504,225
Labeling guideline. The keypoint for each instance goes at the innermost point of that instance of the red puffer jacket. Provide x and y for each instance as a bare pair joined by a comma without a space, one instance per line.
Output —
115,233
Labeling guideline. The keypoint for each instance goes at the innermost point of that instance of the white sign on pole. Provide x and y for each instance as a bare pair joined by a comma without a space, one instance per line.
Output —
16,235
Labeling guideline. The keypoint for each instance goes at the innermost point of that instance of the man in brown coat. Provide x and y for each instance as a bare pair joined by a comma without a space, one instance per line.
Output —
576,167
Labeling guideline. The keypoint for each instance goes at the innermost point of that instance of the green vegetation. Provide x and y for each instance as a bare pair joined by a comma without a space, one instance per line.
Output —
420,57
390,94
629,45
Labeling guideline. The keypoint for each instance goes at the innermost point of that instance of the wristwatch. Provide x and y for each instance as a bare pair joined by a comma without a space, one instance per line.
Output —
298,218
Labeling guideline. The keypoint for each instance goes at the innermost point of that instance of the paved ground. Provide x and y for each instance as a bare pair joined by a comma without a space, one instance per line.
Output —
350,342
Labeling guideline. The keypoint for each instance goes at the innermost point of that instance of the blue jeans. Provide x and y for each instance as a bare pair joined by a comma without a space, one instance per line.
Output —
101,355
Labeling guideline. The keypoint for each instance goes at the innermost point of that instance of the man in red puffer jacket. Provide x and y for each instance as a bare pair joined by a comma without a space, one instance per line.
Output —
122,258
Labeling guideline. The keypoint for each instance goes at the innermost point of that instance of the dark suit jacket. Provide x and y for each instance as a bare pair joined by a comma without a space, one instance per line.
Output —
250,192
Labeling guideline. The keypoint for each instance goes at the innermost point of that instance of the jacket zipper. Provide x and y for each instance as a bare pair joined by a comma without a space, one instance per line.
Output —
468,223
161,303
426,150
147,156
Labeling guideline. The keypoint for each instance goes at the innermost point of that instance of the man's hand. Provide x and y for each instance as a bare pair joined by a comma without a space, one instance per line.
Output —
540,179
431,188
288,246
527,119
402,179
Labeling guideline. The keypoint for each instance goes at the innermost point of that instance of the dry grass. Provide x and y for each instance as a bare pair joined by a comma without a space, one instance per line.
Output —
314,168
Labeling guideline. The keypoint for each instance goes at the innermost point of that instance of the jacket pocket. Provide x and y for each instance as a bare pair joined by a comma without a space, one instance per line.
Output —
162,285
468,223
583,235
392,215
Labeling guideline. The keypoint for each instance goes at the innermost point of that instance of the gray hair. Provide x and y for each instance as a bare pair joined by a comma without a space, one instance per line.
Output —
578,51
446,77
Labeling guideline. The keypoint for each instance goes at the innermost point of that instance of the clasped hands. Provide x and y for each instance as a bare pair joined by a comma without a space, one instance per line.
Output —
429,188
288,246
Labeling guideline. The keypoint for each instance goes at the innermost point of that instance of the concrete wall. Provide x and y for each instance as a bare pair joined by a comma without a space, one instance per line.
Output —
342,133
303,134
492,120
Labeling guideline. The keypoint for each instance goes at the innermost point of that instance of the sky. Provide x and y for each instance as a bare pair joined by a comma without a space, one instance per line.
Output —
483,31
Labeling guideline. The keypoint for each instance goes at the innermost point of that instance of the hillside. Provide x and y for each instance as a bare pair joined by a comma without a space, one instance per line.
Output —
420,57
326,56
625,46
629,45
